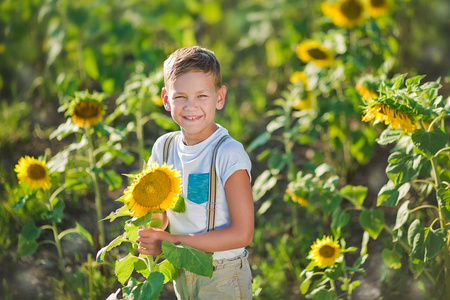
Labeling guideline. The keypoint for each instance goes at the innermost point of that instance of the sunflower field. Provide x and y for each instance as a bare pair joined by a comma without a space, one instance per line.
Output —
342,105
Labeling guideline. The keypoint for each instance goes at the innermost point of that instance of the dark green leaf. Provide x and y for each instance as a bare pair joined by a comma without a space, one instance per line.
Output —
434,242
21,202
190,259
152,287
430,142
27,239
403,167
390,194
443,196
339,220
262,139
416,241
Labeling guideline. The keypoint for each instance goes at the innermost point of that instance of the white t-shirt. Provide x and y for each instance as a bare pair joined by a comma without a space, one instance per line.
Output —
194,163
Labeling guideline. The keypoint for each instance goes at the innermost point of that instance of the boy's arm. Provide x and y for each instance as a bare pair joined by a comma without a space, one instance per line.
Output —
237,235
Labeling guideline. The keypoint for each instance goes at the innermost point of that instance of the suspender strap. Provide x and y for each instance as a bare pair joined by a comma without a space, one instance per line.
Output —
167,145
211,221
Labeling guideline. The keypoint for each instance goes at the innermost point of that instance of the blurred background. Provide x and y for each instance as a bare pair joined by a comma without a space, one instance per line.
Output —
49,49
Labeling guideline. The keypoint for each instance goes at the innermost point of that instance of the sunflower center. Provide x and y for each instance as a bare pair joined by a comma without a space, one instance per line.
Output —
152,189
377,3
316,53
86,110
352,10
327,251
36,172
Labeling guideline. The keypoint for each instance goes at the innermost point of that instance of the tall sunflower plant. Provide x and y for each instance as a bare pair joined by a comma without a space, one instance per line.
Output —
330,275
418,172
34,174
154,190
96,145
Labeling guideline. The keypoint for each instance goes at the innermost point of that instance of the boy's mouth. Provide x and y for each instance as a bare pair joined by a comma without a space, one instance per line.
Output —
192,118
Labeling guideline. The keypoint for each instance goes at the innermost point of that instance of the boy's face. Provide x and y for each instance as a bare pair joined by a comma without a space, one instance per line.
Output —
192,100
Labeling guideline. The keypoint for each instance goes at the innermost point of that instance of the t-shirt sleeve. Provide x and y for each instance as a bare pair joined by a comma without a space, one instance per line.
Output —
232,157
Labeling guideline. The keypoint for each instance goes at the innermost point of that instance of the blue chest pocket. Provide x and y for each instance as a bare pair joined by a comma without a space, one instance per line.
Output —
198,188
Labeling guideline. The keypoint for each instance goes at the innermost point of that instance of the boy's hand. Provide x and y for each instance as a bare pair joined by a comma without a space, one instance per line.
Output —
150,240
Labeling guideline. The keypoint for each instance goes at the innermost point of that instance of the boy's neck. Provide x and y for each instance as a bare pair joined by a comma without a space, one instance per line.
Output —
193,140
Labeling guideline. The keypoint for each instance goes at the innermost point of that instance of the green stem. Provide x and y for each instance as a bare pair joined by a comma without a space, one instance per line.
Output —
424,206
443,222
98,199
140,133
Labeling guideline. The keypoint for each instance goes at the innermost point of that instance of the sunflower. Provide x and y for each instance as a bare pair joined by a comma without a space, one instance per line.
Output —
87,109
33,173
389,115
324,252
300,200
365,92
305,101
345,13
156,188
313,51
377,8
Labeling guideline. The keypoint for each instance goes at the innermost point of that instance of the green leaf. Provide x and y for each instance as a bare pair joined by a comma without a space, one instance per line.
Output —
114,243
21,202
390,194
155,223
372,221
339,220
389,136
152,287
443,196
143,221
27,239
263,184
120,212
113,179
434,242
334,272
131,230
416,241
90,63
56,214
79,230
124,267
262,139
357,193
190,259
141,267
180,206
402,215
403,167
398,81
392,258
169,270
430,142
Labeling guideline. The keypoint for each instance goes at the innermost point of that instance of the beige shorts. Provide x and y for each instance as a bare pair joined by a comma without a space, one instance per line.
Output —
232,279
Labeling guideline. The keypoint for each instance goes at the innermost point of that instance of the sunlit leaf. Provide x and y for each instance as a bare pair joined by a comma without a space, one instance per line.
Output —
90,63
392,258
169,270
124,268
180,206
403,167
357,193
402,215
372,221
390,194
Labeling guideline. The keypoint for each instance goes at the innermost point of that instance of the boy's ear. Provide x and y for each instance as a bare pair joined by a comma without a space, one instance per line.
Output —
221,93
165,99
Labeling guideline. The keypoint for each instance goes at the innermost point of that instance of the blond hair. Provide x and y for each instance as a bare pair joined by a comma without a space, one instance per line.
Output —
191,59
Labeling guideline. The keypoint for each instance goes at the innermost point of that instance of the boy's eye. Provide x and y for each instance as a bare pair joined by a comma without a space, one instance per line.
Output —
203,96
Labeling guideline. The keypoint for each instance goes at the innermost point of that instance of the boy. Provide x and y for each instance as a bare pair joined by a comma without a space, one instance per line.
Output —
192,93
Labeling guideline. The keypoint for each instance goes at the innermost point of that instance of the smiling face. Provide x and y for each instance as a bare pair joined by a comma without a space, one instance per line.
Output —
192,100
